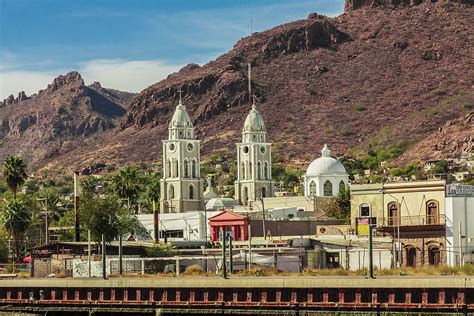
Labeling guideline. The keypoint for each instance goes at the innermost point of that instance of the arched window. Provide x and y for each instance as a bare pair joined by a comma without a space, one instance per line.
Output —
393,213
266,173
176,174
312,188
186,168
342,186
194,169
242,171
170,166
245,195
191,192
327,188
432,212
259,170
171,192
264,192
364,210
250,170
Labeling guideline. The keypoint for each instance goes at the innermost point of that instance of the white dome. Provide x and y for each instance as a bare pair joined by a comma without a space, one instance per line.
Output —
326,165
180,117
254,121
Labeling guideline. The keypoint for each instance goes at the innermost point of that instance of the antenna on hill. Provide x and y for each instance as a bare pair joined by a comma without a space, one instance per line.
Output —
250,58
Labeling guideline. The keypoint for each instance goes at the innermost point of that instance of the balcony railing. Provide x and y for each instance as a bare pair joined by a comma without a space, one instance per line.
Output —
418,220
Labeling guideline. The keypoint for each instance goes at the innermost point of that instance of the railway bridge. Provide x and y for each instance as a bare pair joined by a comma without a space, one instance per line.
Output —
238,295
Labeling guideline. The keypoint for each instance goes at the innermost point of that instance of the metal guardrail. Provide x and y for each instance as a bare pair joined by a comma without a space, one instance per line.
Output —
419,220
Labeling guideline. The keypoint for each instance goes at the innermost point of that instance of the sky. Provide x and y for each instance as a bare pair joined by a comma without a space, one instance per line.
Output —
128,44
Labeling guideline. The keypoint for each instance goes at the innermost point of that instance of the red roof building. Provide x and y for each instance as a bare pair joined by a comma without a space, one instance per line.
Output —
229,222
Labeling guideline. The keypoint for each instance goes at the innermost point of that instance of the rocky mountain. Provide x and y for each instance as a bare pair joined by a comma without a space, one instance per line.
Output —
453,139
383,73
59,118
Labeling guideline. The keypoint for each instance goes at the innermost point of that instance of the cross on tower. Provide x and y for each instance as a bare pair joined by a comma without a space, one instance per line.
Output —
180,91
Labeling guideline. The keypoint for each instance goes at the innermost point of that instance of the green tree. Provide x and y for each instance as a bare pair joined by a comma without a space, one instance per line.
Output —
126,184
106,216
52,201
340,207
3,245
89,185
16,218
441,166
14,173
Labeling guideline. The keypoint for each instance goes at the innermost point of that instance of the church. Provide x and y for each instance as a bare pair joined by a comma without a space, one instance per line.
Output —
182,186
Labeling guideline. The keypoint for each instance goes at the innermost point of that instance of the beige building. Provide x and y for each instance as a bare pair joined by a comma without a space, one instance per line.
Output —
181,185
412,213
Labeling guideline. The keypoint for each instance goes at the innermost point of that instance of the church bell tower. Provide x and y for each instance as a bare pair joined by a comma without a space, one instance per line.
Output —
254,161
181,185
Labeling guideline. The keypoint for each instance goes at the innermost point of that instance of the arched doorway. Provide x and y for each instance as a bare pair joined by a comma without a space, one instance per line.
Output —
393,214
432,213
327,188
191,192
264,192
411,256
245,195
434,255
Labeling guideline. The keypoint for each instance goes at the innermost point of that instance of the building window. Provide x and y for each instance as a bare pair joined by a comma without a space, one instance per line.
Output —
264,192
312,188
393,214
364,210
242,171
191,192
186,168
342,186
194,168
266,172
432,212
327,188
170,166
259,170
176,174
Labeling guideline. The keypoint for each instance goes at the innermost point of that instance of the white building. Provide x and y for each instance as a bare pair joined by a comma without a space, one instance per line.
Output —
254,161
190,226
325,176
181,186
459,224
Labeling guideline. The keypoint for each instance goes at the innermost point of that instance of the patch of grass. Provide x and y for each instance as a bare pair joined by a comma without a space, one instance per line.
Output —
432,111
359,107
346,132
438,91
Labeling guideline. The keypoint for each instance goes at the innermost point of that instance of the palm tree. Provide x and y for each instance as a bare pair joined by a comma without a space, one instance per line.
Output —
126,184
16,219
14,173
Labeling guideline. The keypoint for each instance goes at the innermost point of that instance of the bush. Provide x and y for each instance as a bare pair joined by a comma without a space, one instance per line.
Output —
359,107
194,269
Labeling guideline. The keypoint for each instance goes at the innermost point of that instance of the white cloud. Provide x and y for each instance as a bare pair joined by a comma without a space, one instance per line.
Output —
126,75
119,74
12,82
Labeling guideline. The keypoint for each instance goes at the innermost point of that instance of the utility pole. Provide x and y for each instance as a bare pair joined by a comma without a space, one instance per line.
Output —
120,255
77,226
224,260
89,251
371,259
263,220
156,235
231,263
104,271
